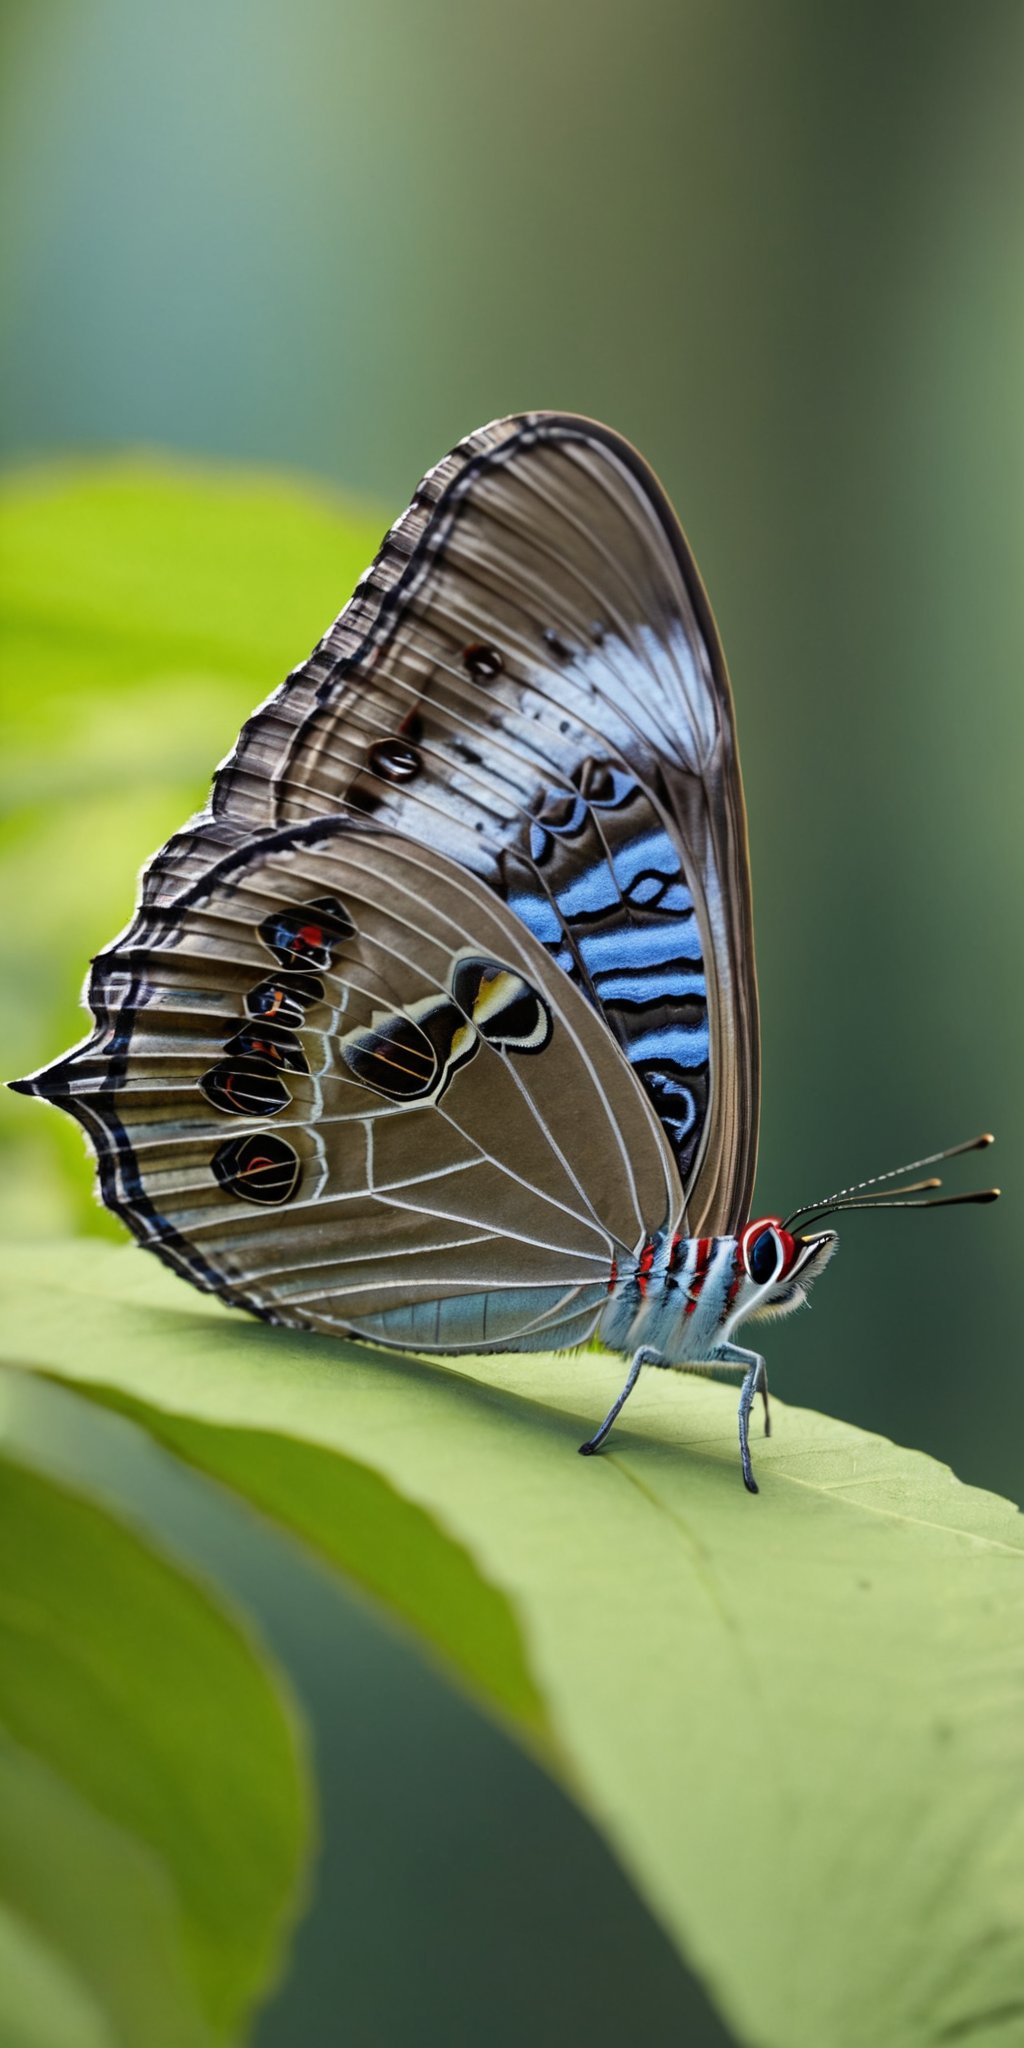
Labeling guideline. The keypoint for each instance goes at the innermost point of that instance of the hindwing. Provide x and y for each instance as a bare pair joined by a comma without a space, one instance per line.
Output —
339,1083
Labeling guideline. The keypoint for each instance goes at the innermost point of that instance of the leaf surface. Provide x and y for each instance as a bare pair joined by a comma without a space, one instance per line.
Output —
153,1804
799,1720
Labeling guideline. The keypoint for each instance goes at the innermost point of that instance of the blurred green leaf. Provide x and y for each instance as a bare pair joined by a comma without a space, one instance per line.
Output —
93,1941
153,1806
44,2004
798,1720
146,607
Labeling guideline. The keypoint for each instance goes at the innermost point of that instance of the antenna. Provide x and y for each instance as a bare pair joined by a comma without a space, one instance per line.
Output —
861,1195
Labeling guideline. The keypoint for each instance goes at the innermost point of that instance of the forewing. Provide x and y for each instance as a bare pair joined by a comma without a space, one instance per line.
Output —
529,679
337,1082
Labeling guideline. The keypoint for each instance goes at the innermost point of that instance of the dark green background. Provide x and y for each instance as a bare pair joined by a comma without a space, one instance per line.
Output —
780,246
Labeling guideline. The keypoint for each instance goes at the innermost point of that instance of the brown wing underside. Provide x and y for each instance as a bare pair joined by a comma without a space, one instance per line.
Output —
529,680
338,1083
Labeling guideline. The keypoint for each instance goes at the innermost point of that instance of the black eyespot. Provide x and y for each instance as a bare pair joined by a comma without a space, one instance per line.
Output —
270,1042
285,998
304,934
505,1010
395,760
245,1087
396,1056
261,1168
482,662
763,1257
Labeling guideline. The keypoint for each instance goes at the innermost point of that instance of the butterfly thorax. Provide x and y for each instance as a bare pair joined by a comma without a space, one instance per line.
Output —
684,1297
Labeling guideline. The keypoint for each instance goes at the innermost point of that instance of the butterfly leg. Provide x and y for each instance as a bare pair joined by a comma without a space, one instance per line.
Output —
645,1356
755,1381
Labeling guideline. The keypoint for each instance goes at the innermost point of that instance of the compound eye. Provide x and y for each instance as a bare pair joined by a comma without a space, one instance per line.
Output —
765,1257
768,1250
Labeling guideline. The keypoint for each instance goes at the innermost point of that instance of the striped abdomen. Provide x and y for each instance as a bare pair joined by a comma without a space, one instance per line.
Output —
677,1296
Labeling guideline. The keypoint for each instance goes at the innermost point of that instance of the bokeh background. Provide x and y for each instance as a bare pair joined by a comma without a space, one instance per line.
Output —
779,246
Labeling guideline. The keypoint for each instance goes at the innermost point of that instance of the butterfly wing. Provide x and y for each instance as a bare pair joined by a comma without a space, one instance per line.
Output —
529,680
339,1083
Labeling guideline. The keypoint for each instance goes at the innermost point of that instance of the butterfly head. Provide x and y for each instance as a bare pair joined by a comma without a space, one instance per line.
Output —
777,1268
774,1264
778,1264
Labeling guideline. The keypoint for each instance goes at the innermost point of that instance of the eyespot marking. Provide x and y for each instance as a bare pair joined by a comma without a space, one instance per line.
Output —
483,663
271,1042
261,1167
305,934
394,759
245,1087
504,1008
284,998
411,1054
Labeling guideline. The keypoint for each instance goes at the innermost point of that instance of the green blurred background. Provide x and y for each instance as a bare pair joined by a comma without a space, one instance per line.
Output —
779,245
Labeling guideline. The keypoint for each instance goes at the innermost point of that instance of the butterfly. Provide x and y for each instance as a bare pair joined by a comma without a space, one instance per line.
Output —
438,1028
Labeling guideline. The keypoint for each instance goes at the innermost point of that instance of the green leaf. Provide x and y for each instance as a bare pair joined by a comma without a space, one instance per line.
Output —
147,606
153,1807
43,2004
93,1933
799,1719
